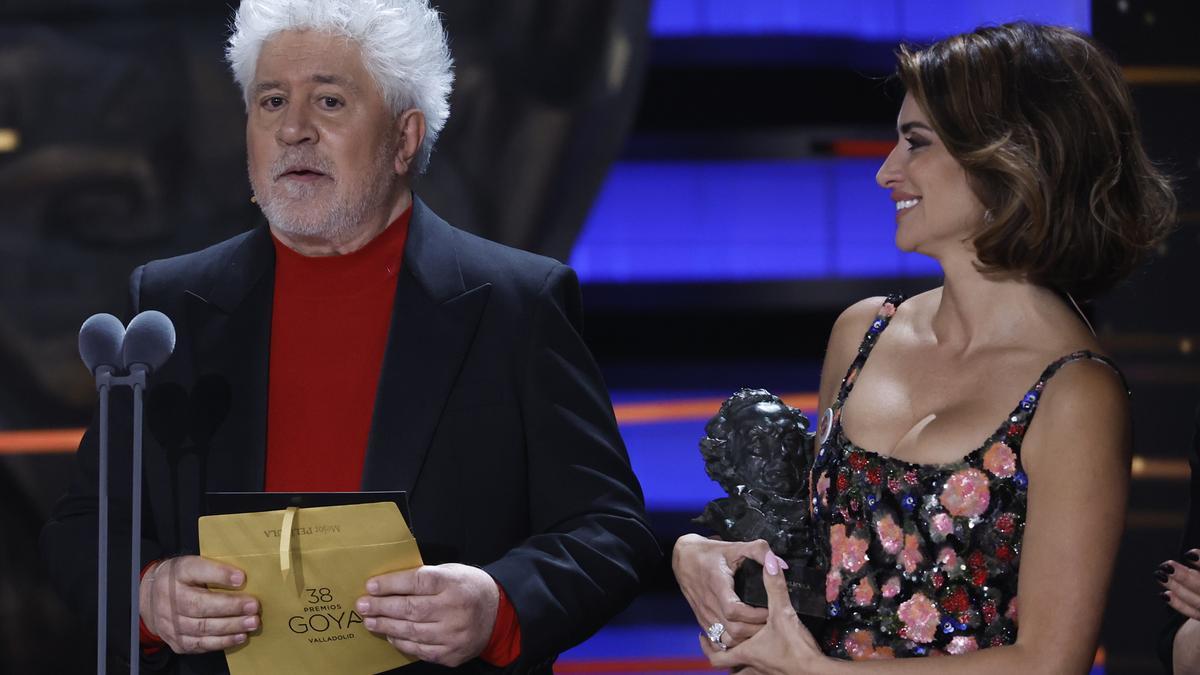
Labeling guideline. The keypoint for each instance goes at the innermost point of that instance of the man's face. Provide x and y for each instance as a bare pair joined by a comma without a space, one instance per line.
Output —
321,141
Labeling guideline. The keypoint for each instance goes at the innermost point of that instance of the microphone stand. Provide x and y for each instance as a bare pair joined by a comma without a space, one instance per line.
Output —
105,380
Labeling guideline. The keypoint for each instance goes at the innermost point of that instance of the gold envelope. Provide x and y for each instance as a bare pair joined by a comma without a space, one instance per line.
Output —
307,567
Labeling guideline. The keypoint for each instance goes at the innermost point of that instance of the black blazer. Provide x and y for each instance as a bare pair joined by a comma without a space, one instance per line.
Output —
489,411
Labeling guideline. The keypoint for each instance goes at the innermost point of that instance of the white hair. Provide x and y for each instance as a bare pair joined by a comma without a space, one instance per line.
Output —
402,41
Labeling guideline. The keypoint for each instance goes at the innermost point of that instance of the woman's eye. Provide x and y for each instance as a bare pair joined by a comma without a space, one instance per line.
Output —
914,142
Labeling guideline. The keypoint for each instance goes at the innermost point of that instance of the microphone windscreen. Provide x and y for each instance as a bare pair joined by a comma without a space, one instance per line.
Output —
100,340
149,340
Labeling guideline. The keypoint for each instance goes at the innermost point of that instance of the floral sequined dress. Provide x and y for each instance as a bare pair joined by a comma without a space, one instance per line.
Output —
921,558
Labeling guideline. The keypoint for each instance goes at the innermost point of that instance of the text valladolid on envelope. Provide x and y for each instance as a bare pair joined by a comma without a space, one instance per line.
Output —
307,567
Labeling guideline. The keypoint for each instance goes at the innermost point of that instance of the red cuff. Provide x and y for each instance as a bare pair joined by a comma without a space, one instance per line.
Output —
505,645
150,642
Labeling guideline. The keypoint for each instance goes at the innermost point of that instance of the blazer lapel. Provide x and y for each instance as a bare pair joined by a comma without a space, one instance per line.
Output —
231,325
433,324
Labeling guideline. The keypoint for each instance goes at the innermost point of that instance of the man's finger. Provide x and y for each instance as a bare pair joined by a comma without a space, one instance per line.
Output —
424,580
410,631
200,645
196,571
423,608
416,649
216,626
200,603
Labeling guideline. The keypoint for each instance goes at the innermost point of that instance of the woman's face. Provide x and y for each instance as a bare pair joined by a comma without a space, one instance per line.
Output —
937,213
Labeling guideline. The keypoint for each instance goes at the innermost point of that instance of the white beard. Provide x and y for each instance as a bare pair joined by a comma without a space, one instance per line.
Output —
328,211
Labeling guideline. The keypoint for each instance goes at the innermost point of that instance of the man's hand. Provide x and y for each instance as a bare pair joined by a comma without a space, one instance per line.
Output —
438,613
177,607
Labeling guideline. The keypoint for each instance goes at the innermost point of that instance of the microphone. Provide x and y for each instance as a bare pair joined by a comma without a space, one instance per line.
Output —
148,342
100,345
100,339
139,350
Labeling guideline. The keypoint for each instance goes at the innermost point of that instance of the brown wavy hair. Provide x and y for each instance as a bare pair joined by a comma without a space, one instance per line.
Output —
1042,120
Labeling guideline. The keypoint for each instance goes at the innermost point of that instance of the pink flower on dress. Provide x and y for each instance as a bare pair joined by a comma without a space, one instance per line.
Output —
948,559
961,644
849,552
864,592
942,525
891,537
919,616
891,587
966,493
1000,460
859,645
911,557
833,584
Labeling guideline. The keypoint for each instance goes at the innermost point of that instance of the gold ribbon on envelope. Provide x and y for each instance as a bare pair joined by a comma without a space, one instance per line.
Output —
307,567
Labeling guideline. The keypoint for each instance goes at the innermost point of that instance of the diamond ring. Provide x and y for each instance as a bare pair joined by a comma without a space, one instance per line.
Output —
714,633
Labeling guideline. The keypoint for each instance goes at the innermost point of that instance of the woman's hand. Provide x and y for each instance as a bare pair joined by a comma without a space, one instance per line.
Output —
783,645
704,569
1181,584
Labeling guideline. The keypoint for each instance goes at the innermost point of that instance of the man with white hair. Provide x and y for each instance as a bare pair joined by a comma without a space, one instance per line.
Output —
363,343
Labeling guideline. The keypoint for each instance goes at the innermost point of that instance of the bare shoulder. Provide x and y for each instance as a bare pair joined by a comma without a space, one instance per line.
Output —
1083,410
844,340
853,322
1085,386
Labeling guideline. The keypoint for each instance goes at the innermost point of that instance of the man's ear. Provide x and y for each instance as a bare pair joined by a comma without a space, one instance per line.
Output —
410,125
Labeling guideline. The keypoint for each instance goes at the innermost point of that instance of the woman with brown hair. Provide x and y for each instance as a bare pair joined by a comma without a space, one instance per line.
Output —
969,497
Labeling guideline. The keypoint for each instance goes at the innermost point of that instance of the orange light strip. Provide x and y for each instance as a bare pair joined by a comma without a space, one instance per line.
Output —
1162,75
654,412
39,441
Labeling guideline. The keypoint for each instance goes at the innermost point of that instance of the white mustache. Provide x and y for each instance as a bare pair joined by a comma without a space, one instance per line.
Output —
314,162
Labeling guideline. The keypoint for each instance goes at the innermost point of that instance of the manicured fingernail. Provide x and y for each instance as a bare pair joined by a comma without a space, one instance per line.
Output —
236,579
1161,576
372,586
782,563
250,607
1165,595
1167,568
239,638
771,563
1192,556
362,606
369,622
250,622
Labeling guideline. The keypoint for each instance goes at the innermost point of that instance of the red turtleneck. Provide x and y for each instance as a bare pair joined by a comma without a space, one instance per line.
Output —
329,331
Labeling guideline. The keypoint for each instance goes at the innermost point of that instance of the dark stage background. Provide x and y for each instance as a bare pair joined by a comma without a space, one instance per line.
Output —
706,165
